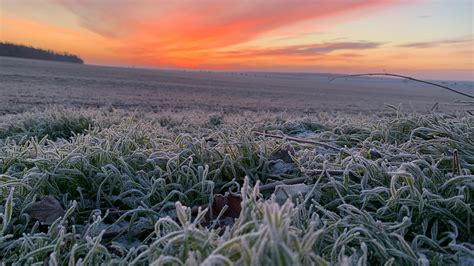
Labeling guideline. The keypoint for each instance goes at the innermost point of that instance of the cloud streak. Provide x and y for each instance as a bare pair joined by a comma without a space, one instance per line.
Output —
436,43
306,50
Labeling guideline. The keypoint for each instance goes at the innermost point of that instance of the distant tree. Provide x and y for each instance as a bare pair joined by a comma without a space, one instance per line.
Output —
22,51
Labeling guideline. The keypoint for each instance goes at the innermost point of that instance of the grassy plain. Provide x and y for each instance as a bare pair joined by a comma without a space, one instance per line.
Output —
82,185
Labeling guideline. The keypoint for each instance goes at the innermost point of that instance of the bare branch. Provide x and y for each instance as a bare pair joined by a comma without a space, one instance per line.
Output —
409,78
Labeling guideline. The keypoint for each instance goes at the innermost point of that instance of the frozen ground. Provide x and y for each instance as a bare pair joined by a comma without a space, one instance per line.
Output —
25,84
360,189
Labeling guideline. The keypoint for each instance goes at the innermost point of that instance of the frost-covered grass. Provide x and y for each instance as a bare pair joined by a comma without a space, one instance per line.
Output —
128,182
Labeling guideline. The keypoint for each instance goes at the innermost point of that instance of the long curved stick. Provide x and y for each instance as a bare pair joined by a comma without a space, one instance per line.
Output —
409,78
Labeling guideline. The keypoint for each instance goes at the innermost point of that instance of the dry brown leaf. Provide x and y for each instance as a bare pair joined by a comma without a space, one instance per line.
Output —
47,210
231,200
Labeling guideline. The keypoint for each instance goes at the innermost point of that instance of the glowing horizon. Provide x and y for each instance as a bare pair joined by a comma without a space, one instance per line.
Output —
428,39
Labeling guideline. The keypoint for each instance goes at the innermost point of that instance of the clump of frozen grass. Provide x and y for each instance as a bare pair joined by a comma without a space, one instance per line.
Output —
56,123
399,199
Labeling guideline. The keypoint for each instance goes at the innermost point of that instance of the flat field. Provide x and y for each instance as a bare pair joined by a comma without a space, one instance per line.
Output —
25,84
136,167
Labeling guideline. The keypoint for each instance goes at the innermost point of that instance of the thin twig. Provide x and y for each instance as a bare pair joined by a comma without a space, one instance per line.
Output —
302,141
298,180
409,78
273,185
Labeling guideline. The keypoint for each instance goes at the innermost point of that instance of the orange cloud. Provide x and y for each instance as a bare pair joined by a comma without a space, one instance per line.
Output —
186,33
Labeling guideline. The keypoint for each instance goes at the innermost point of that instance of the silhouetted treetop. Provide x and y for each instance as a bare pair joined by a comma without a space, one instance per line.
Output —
22,51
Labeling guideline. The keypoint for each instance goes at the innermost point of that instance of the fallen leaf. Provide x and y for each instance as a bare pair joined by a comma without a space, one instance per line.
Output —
47,210
282,161
285,192
280,167
231,200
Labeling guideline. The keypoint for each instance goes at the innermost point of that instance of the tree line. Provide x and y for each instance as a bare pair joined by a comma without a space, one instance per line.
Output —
22,51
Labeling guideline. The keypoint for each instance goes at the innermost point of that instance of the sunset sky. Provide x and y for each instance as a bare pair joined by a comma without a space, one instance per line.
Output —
425,38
